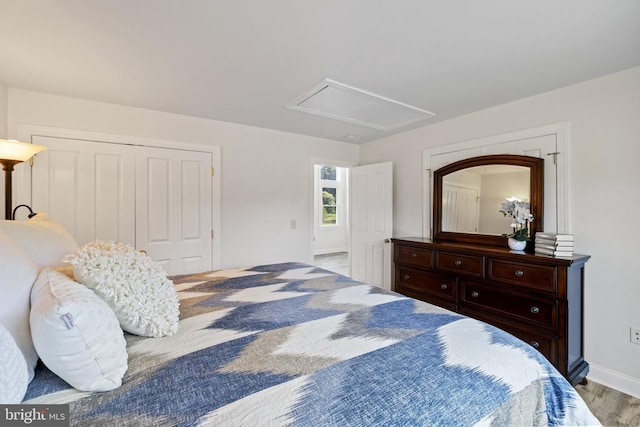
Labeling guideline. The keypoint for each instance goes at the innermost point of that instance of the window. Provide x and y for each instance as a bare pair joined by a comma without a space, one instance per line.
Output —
330,193
329,173
329,207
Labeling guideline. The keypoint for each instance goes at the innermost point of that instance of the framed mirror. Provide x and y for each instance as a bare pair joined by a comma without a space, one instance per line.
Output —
468,196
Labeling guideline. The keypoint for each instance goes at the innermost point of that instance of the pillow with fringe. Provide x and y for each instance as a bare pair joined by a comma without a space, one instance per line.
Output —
134,285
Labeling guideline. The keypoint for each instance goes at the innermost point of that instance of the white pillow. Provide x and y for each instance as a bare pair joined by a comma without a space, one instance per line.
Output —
76,334
42,238
14,375
17,274
133,285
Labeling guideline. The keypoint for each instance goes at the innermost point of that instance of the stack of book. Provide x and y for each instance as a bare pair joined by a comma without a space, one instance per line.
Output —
554,244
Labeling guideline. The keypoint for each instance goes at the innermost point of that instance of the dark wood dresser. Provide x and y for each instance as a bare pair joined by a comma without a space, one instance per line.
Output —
536,298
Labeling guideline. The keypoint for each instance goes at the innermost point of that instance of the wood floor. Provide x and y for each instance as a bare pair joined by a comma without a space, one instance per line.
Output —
338,262
610,406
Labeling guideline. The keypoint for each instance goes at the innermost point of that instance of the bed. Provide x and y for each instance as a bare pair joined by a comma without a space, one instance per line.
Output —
293,344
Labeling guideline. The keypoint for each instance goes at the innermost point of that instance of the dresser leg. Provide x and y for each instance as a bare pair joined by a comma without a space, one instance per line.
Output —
584,381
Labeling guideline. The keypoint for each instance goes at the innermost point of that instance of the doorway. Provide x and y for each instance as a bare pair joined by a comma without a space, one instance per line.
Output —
331,217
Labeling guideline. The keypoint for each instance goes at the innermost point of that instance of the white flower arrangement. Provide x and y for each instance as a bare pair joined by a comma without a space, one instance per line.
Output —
133,284
520,212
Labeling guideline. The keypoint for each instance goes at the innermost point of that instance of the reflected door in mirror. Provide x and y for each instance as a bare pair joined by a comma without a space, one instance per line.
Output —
471,198
460,208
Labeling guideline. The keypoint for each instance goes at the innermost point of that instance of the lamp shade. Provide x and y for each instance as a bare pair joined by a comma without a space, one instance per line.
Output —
18,151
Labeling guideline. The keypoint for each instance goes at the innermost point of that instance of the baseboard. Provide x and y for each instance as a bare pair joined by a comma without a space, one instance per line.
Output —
615,380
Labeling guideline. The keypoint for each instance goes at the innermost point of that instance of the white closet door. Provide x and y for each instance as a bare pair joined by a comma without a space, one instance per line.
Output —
155,199
173,208
86,186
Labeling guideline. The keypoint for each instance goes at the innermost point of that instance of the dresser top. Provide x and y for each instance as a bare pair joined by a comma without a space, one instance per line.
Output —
492,251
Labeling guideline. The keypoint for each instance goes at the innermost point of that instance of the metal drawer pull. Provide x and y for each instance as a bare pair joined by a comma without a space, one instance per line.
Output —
443,286
535,344
475,294
535,310
519,273
457,263
413,255
407,277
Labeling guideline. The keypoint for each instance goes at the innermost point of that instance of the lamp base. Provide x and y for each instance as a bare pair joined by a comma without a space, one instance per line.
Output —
7,166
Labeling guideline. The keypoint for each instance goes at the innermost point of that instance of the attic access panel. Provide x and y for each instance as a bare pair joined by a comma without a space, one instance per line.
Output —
348,104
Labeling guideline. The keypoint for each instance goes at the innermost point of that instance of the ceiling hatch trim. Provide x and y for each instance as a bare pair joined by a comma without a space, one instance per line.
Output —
339,101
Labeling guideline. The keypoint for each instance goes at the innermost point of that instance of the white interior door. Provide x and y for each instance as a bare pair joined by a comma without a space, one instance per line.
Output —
371,223
86,186
173,208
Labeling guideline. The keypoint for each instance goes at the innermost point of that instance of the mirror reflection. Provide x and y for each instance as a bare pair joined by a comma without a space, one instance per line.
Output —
472,197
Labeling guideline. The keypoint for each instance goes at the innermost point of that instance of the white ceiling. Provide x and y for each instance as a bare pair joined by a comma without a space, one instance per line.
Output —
243,61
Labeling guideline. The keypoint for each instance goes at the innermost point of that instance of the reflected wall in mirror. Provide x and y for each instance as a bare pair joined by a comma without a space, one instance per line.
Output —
468,195
471,198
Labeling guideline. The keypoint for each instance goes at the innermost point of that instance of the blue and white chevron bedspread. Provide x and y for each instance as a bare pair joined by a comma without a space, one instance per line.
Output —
291,344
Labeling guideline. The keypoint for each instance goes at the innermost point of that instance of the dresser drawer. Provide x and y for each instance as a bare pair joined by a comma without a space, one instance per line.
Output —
469,265
535,311
414,256
420,282
531,276
434,300
544,343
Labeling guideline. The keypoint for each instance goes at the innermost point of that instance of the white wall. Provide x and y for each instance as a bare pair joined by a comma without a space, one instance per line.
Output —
266,175
495,189
3,134
605,198
3,110
266,184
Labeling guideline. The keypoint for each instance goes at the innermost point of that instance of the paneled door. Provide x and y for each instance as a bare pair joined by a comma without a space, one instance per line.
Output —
86,186
154,199
371,223
173,215
460,208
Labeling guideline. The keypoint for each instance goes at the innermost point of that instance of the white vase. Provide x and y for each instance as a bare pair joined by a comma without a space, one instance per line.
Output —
517,245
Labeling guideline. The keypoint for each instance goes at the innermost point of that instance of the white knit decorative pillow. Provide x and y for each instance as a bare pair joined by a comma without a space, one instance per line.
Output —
14,375
42,238
134,286
76,334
